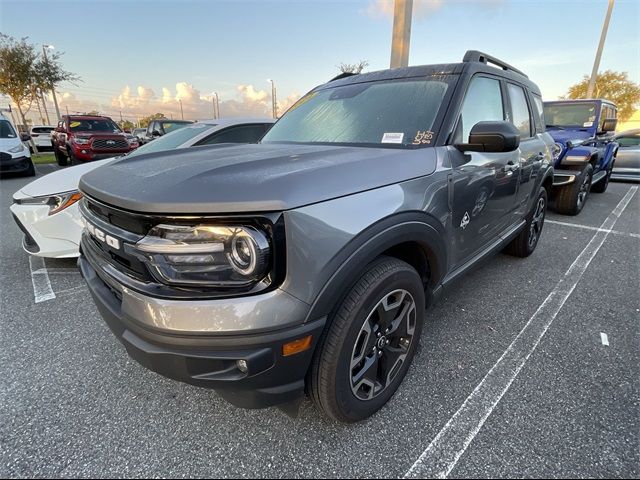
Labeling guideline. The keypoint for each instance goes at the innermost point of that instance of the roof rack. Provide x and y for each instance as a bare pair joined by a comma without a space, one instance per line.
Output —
476,56
342,75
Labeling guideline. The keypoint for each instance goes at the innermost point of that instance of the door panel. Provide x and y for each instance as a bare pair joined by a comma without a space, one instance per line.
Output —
484,184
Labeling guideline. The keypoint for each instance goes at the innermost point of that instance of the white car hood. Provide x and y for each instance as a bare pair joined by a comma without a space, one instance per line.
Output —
7,143
63,180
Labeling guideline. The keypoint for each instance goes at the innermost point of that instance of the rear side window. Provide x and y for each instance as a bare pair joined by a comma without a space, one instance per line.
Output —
520,110
483,102
538,107
42,129
242,134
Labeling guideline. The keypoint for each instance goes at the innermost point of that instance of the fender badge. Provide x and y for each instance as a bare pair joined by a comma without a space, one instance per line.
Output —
465,220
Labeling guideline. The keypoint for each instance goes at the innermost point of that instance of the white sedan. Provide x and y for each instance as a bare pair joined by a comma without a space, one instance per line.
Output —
46,210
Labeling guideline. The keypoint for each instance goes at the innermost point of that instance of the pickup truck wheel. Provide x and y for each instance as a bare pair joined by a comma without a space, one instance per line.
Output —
602,185
570,199
527,240
61,160
72,158
369,346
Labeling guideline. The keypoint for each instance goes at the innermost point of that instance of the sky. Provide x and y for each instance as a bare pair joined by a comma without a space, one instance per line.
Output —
142,57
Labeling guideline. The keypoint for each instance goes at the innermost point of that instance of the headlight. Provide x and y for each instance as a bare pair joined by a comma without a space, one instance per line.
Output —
206,255
17,149
557,150
81,141
56,203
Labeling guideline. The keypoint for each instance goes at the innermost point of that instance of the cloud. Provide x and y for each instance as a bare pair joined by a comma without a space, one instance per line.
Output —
421,8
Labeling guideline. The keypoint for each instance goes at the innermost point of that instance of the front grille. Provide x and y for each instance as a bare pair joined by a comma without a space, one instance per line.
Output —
5,157
110,144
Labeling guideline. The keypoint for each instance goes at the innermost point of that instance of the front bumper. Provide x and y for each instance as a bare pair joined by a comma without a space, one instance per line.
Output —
17,165
56,236
203,358
88,154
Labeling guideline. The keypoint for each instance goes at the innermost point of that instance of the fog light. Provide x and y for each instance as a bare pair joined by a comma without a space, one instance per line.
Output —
242,366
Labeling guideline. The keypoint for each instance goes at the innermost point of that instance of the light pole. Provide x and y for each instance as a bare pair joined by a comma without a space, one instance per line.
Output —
274,105
596,63
216,104
181,112
402,13
44,104
53,90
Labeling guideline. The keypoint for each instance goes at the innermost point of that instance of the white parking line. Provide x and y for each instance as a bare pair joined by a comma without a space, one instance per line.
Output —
605,339
596,229
444,451
42,290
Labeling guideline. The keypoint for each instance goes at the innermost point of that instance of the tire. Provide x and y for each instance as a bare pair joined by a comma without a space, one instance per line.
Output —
72,159
31,172
388,286
570,199
61,160
602,185
527,240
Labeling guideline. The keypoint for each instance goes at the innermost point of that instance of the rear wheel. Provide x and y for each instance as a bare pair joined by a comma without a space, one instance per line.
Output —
527,240
365,354
570,199
602,185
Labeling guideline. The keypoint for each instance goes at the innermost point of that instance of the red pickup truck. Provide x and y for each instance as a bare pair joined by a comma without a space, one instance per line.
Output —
82,138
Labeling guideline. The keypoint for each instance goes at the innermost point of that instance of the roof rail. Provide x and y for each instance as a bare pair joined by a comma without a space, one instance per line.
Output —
476,56
342,75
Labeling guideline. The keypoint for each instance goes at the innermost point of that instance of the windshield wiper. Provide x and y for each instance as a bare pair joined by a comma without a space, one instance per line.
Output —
555,126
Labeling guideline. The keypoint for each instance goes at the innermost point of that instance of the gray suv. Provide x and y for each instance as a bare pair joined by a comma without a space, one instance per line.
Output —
304,263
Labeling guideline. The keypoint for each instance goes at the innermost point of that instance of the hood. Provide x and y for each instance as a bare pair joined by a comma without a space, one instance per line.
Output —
568,134
250,178
90,133
59,181
7,143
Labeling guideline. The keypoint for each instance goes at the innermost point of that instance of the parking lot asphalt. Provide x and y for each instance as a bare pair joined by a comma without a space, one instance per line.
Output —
73,404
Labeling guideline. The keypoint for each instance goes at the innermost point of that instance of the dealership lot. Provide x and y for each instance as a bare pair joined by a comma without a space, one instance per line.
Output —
73,404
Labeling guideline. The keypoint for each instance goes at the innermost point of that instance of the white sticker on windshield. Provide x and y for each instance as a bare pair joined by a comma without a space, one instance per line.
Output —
392,138
587,124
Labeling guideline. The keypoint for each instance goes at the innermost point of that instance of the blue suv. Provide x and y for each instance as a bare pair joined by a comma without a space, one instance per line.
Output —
584,151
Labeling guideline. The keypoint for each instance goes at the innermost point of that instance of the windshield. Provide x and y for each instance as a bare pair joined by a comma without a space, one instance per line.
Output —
400,112
581,115
171,126
102,125
174,139
6,130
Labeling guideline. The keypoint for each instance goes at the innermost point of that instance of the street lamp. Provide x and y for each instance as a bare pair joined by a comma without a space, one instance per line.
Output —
216,104
274,105
53,90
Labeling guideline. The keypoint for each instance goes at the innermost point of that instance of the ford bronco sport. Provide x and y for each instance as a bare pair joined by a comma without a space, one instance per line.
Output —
305,262
584,152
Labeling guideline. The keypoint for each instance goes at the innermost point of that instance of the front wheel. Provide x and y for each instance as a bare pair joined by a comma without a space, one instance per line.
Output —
527,240
366,353
570,199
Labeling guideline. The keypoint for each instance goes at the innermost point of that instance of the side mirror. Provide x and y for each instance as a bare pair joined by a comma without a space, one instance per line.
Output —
156,133
494,137
25,137
127,130
609,125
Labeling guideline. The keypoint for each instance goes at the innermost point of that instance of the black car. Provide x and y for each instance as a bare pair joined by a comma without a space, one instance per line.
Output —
304,263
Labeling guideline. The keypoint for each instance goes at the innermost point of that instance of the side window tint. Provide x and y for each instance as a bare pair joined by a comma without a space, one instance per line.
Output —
539,113
242,134
520,110
483,102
